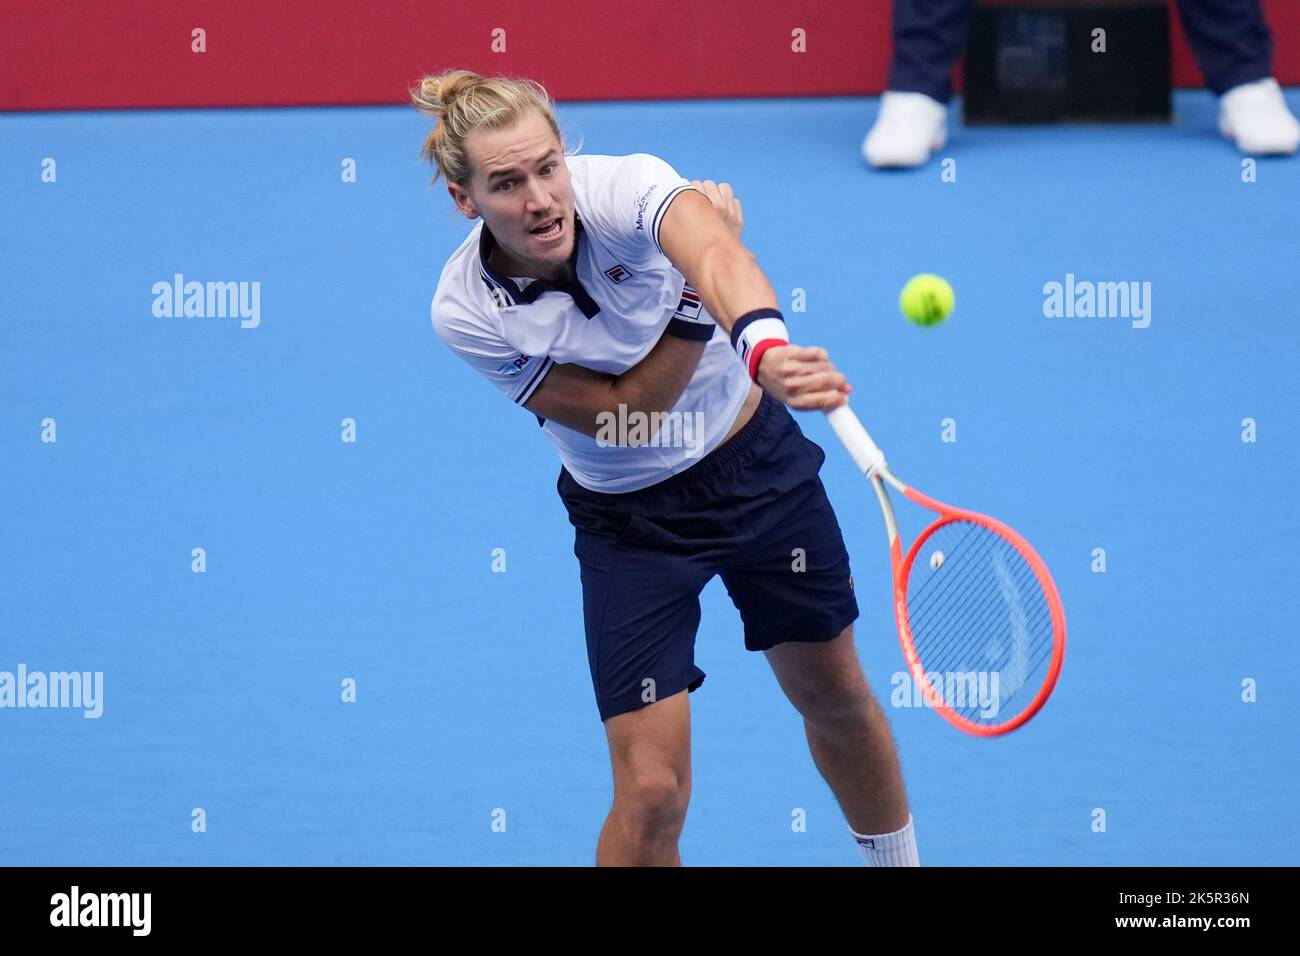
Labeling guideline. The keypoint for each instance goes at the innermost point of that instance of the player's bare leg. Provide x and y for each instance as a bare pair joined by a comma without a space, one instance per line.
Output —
847,731
650,751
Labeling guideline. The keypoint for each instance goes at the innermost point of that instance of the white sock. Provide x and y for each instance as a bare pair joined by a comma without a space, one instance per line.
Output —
889,849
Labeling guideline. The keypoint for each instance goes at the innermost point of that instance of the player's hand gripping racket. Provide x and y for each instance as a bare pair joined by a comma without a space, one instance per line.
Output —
978,615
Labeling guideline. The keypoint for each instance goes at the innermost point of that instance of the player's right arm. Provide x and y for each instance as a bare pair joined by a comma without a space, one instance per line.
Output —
698,236
575,396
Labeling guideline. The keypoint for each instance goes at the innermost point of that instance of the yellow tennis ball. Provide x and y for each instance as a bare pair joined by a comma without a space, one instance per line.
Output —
927,299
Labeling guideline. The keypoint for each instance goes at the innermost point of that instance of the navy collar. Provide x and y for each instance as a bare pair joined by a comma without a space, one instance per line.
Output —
530,293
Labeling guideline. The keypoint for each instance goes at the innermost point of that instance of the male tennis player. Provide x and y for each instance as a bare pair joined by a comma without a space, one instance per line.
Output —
613,299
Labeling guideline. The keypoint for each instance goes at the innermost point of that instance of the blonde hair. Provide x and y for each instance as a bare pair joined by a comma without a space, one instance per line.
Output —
463,101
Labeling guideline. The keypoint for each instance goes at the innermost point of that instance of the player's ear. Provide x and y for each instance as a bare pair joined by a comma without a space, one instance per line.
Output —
463,200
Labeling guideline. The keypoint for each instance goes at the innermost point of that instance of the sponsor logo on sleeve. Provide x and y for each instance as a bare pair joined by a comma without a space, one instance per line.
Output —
515,367
641,202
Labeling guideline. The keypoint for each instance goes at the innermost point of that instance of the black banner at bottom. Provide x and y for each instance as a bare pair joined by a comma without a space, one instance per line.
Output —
333,905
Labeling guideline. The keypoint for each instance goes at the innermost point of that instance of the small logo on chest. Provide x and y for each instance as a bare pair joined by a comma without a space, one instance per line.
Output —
617,274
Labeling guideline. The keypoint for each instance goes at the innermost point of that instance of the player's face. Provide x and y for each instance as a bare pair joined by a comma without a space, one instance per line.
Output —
521,185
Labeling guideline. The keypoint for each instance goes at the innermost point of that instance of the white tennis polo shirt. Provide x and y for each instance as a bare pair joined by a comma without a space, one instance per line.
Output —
513,330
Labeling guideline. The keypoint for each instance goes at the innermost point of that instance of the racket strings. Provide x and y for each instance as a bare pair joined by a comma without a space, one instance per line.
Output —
980,620
1012,672
958,586
951,588
951,654
973,636
976,710
921,593
962,593
1029,664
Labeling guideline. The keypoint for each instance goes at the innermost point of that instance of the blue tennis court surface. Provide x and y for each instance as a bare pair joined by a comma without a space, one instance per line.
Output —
372,560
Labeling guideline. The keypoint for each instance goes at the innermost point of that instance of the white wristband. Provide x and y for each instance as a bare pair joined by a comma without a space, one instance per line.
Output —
756,332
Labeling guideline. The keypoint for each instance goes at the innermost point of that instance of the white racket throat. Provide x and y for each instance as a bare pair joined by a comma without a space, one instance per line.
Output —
886,507
866,455
869,459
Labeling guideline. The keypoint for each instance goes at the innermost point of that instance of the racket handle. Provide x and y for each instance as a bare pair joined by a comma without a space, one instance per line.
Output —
864,451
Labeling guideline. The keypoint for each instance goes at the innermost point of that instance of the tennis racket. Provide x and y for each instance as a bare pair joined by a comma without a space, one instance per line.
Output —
978,614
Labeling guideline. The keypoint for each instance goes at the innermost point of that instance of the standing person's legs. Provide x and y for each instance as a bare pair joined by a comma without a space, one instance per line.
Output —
1230,39
1234,48
928,39
913,121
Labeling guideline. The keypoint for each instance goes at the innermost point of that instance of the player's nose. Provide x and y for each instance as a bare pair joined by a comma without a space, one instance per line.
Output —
537,198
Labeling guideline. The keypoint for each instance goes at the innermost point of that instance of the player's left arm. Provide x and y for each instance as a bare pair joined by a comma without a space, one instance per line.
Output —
700,235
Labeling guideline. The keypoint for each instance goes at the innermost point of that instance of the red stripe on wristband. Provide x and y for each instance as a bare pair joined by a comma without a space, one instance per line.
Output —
756,355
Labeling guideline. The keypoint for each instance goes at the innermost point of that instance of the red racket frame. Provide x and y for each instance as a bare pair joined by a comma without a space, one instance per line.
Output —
902,569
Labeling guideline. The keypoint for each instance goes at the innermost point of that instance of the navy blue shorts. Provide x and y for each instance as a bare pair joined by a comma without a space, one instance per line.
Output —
755,512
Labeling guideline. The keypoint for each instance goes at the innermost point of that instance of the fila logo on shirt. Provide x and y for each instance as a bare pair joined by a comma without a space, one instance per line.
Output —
689,307
617,274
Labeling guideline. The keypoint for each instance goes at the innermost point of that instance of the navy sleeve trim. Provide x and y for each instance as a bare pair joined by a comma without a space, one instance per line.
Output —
533,382
695,331
663,208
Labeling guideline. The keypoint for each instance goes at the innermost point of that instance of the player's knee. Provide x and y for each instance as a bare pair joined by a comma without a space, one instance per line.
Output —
652,803
836,700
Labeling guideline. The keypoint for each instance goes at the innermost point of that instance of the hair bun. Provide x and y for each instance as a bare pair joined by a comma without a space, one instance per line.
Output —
431,96
439,92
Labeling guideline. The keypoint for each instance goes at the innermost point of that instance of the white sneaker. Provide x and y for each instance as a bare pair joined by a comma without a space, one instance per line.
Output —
908,128
1256,118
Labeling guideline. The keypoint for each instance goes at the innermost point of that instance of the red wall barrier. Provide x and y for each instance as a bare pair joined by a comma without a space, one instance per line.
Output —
83,54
